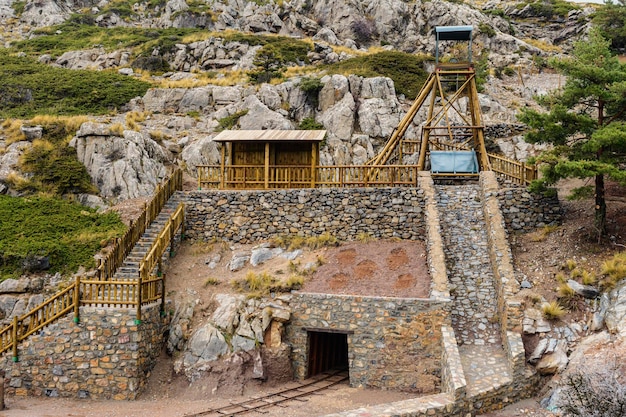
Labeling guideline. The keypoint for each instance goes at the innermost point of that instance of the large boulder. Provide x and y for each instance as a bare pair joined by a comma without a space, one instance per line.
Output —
616,312
261,117
45,13
226,316
201,152
335,89
207,344
339,118
555,361
10,158
122,167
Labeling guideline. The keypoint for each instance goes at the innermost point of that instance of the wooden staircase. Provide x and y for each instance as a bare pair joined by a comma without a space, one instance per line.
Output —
128,277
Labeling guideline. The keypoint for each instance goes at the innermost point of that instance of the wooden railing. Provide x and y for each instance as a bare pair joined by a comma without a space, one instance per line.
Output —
146,289
299,176
108,264
247,177
515,171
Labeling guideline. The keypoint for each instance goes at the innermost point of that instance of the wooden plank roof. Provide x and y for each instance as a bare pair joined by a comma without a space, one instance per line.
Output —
270,135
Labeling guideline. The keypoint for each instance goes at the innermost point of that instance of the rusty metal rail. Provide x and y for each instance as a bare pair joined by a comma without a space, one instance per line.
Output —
295,392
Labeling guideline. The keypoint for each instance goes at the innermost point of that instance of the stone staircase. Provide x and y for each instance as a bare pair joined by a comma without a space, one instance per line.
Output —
472,288
129,270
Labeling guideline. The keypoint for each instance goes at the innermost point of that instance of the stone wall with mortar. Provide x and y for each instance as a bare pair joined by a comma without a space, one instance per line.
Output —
106,355
250,216
524,211
393,343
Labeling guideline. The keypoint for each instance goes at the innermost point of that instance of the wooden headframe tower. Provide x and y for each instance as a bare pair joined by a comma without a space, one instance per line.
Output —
453,128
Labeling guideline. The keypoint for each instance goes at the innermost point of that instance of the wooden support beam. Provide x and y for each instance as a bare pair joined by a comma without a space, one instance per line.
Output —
267,166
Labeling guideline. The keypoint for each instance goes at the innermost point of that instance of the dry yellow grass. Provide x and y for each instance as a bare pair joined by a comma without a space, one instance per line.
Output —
12,131
544,46
553,310
117,129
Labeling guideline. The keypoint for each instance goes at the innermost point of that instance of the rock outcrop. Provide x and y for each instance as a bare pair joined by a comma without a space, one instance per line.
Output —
238,325
123,165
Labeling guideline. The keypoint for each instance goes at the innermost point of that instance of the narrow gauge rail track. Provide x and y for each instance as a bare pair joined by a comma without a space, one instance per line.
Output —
293,392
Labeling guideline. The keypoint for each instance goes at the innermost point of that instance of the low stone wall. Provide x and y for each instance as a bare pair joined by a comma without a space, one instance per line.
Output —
436,257
452,376
393,343
104,356
524,211
250,216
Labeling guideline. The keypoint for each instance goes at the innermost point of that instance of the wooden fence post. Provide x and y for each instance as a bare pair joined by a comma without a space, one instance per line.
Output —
138,317
172,236
163,295
182,226
14,337
77,299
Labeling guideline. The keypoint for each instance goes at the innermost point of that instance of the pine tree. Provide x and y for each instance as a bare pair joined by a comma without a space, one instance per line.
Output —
585,122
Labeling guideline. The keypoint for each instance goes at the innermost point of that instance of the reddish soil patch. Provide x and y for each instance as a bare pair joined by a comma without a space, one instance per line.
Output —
397,258
339,281
365,269
381,268
405,281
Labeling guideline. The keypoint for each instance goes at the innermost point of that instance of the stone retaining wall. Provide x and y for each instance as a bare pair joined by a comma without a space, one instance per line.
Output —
524,211
104,356
393,343
250,216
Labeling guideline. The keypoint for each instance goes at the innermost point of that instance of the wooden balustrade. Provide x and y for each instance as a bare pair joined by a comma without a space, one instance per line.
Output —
108,264
299,176
515,171
146,289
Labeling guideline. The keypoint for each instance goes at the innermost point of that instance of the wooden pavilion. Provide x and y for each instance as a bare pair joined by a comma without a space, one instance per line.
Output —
269,158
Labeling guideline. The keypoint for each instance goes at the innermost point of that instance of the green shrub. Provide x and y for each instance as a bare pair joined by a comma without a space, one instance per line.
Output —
312,87
290,49
67,233
18,7
487,29
509,71
28,88
231,121
79,33
270,64
56,170
406,70
550,8
309,123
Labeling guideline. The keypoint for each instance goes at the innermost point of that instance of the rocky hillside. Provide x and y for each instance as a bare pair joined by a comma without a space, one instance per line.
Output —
200,57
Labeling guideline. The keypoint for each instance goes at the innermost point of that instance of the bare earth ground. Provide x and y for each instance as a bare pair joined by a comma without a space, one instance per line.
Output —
539,256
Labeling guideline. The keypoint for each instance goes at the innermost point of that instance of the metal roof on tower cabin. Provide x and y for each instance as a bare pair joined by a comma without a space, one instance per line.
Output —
270,136
454,33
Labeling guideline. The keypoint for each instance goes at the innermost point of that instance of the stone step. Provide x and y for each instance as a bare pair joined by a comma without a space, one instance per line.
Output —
486,368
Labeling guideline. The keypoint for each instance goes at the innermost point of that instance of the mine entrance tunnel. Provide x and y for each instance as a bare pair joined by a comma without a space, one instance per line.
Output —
328,350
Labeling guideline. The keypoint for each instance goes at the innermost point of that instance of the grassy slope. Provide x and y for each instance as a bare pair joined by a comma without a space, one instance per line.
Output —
65,232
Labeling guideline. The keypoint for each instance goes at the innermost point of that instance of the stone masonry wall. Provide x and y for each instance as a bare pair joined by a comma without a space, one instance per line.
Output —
249,216
104,356
524,211
393,343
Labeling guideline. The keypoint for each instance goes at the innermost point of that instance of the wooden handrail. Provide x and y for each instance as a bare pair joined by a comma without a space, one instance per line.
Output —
299,176
148,288
512,170
123,245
